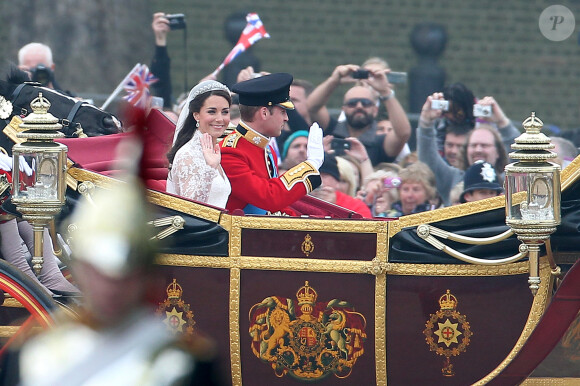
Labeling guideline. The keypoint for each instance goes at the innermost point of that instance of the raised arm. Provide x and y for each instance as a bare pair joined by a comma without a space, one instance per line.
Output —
319,97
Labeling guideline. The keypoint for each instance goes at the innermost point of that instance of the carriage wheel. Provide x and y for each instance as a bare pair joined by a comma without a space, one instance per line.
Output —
23,299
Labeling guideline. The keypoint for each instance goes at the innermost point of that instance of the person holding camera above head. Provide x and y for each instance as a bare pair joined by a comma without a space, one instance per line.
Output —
36,60
360,106
161,63
248,158
480,144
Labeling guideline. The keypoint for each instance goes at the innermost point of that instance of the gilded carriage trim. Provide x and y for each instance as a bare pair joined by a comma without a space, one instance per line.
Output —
185,206
522,267
538,307
551,381
344,266
305,265
194,261
100,180
302,224
570,173
381,330
158,198
445,213
235,354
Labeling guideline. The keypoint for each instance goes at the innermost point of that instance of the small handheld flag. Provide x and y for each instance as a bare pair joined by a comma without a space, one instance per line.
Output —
137,86
253,32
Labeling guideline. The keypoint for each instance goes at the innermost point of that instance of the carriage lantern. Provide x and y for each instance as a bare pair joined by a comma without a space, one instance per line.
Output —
532,186
39,188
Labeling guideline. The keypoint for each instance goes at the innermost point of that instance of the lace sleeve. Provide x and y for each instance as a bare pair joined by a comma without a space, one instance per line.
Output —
191,175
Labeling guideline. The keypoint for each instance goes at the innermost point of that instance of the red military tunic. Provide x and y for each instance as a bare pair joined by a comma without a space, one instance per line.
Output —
245,160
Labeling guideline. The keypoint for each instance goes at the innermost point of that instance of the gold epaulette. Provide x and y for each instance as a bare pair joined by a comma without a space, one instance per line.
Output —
299,173
232,140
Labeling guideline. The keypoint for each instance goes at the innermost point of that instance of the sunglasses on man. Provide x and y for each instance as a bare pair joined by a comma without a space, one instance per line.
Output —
365,102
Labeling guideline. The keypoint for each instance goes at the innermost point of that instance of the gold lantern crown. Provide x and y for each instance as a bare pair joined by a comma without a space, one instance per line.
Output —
306,294
40,104
174,290
533,144
448,301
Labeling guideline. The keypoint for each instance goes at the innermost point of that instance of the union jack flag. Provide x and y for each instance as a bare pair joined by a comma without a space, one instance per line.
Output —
253,32
137,86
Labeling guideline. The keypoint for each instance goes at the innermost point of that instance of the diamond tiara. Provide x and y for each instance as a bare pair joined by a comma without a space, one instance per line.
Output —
206,86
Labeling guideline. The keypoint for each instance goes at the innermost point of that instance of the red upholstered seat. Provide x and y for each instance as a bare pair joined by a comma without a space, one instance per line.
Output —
98,153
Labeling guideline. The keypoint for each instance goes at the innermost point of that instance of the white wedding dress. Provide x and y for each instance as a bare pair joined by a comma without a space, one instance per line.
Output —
191,177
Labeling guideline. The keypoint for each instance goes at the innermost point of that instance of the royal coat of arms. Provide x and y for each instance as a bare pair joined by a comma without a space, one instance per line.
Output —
307,339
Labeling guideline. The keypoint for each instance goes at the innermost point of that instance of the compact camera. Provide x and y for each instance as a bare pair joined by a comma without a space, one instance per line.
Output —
392,182
397,77
360,74
41,74
440,104
339,145
482,110
176,21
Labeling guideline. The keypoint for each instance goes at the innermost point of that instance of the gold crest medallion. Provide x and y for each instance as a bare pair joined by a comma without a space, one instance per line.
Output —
178,316
447,332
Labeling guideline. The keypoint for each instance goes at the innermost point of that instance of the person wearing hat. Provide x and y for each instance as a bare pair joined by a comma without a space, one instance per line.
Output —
480,182
329,191
249,161
294,149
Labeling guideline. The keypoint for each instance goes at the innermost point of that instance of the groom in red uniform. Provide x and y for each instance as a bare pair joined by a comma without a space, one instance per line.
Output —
248,159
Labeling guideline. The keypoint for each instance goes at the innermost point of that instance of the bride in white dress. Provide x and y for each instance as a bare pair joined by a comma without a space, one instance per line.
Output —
194,160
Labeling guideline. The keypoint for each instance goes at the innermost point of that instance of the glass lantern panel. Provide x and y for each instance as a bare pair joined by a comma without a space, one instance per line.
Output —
39,178
530,196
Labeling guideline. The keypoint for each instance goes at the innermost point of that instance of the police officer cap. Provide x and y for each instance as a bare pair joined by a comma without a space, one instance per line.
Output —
480,175
267,90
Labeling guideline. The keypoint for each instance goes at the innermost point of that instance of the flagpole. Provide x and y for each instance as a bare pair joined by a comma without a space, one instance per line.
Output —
119,87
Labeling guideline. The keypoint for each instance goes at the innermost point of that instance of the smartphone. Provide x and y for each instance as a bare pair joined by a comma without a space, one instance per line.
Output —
176,21
360,74
397,77
339,145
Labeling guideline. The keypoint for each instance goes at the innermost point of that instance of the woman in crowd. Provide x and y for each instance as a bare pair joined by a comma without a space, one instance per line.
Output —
417,191
194,160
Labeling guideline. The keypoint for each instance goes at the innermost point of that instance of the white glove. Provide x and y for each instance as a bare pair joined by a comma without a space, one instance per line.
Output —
315,149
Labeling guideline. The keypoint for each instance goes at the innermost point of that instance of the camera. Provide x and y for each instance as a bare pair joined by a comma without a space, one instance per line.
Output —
440,104
339,145
176,21
360,74
42,75
397,77
392,182
482,110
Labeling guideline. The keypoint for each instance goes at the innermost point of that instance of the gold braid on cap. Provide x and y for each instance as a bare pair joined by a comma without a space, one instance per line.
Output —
206,86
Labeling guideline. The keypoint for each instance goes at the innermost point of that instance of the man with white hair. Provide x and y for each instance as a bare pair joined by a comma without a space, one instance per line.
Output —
36,60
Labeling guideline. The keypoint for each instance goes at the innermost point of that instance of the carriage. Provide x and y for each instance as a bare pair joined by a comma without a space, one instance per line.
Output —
328,297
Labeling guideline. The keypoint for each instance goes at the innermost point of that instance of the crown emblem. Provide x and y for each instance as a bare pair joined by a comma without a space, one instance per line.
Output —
174,290
40,104
533,124
306,294
448,301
